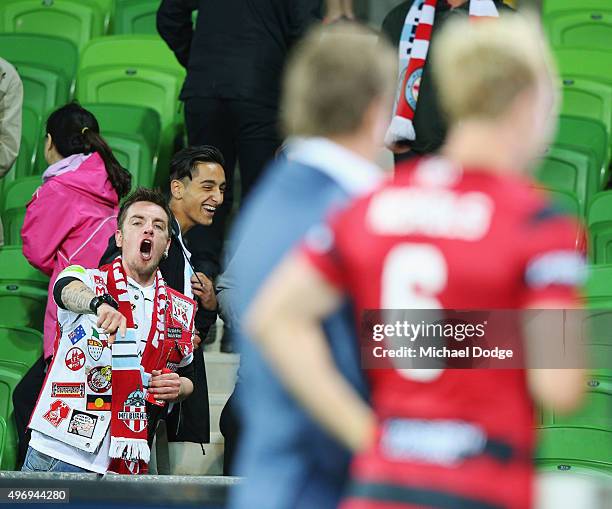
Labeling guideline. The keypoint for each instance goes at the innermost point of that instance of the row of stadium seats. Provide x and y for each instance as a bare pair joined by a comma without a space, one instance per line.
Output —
23,297
81,20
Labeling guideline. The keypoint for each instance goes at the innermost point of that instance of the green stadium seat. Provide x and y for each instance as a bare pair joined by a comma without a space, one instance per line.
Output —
106,7
43,89
26,49
130,51
30,133
71,19
135,17
599,220
585,28
599,287
590,99
12,221
574,448
3,438
134,156
587,135
595,65
553,6
21,344
22,306
16,273
571,172
19,192
566,201
11,374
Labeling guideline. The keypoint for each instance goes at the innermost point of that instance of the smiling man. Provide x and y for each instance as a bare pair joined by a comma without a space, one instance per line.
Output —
197,188
97,410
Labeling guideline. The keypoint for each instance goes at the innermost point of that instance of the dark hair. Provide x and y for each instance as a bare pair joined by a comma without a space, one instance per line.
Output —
184,162
148,195
74,130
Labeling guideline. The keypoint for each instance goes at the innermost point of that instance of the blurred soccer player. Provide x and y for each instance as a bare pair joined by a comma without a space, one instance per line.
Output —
464,230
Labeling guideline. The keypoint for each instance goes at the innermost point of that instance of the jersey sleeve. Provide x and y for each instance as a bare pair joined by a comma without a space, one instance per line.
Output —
554,266
322,247
77,272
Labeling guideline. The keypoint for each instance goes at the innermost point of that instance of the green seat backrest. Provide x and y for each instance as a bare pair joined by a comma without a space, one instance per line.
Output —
550,6
16,272
599,220
12,221
106,7
19,192
26,49
600,208
135,17
586,98
30,134
127,119
71,19
11,374
23,306
134,155
591,64
21,344
574,448
3,437
43,89
586,28
570,171
599,285
585,134
130,51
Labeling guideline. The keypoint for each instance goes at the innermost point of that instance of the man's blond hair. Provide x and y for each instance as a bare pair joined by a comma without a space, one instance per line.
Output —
333,76
480,67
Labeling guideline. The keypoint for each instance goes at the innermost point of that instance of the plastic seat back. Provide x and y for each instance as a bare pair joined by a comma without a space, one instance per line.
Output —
73,20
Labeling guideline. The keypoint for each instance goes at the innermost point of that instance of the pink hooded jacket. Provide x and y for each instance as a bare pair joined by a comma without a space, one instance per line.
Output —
69,221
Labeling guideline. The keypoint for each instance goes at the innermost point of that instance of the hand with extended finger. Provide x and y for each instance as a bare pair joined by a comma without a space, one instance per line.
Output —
110,321
165,386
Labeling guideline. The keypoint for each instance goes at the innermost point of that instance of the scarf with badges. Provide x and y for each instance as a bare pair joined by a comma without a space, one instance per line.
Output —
413,50
169,340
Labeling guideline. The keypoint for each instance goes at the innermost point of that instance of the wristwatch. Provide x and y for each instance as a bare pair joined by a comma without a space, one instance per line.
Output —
98,300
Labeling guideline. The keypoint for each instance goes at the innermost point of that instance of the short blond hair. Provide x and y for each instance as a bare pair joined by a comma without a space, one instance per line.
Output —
480,67
332,78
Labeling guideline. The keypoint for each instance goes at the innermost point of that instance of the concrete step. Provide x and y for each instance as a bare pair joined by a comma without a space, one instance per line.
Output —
186,458
216,402
221,369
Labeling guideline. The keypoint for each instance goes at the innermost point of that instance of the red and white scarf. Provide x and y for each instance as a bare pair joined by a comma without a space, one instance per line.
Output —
413,50
168,341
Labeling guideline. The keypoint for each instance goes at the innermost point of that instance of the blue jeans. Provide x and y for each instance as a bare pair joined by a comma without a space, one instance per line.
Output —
36,461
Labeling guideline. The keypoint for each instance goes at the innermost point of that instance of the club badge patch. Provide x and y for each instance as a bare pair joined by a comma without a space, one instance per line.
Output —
57,412
67,390
134,413
76,335
95,345
99,402
100,285
413,86
99,378
182,310
82,424
75,359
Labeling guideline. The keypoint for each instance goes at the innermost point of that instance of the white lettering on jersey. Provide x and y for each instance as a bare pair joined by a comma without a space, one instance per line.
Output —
434,212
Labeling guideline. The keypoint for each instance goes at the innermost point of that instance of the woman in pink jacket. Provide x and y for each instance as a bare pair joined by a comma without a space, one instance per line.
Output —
72,215
74,212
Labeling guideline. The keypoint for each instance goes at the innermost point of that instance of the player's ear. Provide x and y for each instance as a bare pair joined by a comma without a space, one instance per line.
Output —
118,238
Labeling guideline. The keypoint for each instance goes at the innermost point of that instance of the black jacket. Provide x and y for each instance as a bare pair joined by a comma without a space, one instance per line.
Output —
429,122
238,47
189,420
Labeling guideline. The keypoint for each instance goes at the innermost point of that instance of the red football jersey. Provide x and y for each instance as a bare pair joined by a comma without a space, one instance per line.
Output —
440,237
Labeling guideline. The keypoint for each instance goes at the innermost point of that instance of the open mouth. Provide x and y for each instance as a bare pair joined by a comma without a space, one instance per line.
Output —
145,249
209,209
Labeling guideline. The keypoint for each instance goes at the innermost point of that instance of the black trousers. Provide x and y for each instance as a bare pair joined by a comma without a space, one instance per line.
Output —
244,132
25,396
230,427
